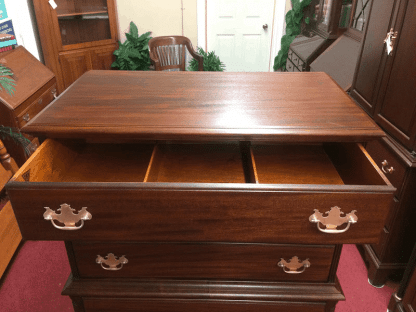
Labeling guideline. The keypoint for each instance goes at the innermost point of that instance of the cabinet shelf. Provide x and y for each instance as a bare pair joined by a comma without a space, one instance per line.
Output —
66,15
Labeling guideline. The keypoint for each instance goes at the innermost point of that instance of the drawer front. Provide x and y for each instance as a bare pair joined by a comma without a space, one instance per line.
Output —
148,305
204,261
36,106
151,212
289,66
295,59
390,163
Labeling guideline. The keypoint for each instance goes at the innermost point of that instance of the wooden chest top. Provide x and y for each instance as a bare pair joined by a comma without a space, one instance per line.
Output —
205,106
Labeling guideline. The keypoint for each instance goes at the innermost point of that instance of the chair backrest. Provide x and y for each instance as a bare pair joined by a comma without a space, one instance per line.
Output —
168,53
8,166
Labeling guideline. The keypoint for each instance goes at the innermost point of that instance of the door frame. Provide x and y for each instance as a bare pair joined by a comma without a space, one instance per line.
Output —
279,12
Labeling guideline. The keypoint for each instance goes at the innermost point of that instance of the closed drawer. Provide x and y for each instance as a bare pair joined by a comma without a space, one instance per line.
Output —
389,162
163,305
204,261
289,66
201,193
295,59
40,103
289,54
301,64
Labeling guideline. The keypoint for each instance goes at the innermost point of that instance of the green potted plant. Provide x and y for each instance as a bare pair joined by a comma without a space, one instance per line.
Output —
133,54
294,19
211,62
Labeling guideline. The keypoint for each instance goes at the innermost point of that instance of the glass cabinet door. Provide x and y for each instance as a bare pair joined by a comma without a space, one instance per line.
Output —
361,13
83,21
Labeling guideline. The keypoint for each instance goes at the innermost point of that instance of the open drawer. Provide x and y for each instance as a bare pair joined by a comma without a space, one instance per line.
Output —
214,192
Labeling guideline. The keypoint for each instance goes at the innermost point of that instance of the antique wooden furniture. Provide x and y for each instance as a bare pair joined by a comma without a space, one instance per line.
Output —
404,299
202,192
384,87
10,236
169,53
340,59
76,36
322,29
35,89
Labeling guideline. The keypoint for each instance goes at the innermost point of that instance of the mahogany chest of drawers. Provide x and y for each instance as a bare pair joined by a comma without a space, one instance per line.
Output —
202,191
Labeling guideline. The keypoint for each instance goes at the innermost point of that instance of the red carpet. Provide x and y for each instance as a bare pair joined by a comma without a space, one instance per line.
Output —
34,281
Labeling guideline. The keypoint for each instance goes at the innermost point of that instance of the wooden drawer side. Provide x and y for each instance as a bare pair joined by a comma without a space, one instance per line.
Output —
48,163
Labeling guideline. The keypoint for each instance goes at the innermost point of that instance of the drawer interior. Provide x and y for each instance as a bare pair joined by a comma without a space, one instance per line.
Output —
198,163
329,163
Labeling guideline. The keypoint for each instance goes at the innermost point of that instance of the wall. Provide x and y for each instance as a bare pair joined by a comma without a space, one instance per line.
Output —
161,17
21,14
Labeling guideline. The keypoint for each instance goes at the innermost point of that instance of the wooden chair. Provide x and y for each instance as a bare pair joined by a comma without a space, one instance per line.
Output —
10,236
168,53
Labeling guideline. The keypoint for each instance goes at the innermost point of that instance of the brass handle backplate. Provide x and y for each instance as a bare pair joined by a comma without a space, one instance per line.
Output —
389,41
384,168
333,220
26,117
294,265
67,217
111,263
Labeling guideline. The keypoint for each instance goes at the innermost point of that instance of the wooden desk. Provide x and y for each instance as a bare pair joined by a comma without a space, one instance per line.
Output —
202,191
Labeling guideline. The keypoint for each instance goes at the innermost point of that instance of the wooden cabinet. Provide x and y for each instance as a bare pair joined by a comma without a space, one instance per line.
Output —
404,299
318,34
77,36
202,192
10,236
35,89
384,86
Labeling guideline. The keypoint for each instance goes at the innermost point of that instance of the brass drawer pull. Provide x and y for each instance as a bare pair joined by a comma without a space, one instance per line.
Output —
384,164
333,220
294,264
67,217
54,93
26,117
111,263
389,41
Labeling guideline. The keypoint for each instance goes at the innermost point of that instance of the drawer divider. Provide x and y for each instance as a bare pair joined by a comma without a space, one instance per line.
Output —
154,164
249,164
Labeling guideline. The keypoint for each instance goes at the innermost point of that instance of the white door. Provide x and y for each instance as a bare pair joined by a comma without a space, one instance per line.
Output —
240,33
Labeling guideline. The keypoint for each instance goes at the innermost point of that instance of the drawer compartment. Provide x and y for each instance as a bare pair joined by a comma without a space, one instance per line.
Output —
163,305
151,193
204,261
196,163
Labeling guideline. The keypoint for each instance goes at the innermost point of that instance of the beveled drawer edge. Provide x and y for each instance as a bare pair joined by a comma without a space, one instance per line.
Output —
214,187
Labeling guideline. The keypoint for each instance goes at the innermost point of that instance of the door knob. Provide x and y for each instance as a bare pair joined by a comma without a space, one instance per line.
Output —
265,26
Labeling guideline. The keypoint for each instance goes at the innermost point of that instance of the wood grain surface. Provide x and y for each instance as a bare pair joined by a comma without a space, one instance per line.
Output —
205,106
242,262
